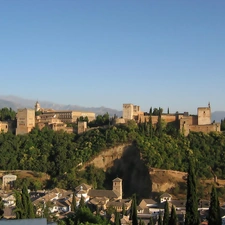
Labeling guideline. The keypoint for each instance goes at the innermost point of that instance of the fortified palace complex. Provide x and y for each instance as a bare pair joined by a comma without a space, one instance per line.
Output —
27,119
185,122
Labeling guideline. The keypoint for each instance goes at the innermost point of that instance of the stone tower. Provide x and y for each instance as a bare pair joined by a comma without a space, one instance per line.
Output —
25,121
128,111
117,187
37,106
204,115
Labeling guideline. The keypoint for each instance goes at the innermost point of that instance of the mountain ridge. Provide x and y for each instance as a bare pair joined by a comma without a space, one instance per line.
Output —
15,102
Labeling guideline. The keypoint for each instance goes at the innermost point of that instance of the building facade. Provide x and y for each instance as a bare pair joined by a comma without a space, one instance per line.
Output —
4,126
25,121
7,181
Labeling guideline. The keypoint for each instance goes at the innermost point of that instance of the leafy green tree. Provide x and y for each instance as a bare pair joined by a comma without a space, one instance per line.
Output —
191,217
173,217
166,214
214,209
1,208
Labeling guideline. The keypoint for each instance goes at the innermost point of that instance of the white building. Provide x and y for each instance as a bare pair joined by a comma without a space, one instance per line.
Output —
7,181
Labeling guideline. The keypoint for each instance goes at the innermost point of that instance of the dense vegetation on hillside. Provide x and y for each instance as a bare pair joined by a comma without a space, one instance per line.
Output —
59,153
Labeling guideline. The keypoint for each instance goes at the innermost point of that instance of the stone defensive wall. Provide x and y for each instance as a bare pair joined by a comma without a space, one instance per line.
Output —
205,128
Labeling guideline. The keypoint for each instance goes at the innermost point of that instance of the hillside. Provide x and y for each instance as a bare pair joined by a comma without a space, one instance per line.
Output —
125,161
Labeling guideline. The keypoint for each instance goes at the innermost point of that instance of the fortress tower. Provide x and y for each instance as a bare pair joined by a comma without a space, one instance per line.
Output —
37,106
128,111
204,115
117,187
25,121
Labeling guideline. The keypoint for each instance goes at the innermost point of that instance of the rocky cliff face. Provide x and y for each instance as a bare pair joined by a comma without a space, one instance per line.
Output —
125,162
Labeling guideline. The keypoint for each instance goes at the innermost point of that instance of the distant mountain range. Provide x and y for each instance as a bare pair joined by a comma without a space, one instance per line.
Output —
15,102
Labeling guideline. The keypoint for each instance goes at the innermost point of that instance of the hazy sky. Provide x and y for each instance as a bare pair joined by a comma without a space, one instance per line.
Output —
155,53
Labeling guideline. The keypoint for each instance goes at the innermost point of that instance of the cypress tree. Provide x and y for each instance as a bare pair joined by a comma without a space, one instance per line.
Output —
150,122
150,221
191,217
24,197
133,215
117,218
19,208
141,222
166,214
214,209
27,205
82,202
74,204
173,217
159,123
1,208
160,220
123,210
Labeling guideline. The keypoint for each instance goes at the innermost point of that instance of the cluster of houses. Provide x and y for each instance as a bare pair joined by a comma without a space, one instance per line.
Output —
59,203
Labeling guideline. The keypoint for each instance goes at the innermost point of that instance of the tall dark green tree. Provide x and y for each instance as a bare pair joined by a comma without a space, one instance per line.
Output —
159,123
166,214
82,202
192,216
160,220
117,218
123,210
1,208
173,217
19,207
141,222
74,203
133,215
150,221
28,207
150,123
214,209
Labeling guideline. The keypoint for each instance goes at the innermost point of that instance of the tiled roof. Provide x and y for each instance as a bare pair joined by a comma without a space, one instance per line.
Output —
83,186
149,201
165,195
99,200
103,193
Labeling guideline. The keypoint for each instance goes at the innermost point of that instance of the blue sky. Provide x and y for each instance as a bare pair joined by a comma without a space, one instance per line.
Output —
108,52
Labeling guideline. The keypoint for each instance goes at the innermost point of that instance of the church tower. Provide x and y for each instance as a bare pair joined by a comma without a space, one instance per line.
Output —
117,187
37,106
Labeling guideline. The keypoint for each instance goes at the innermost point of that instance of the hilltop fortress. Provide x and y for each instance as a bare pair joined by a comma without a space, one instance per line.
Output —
27,119
185,122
